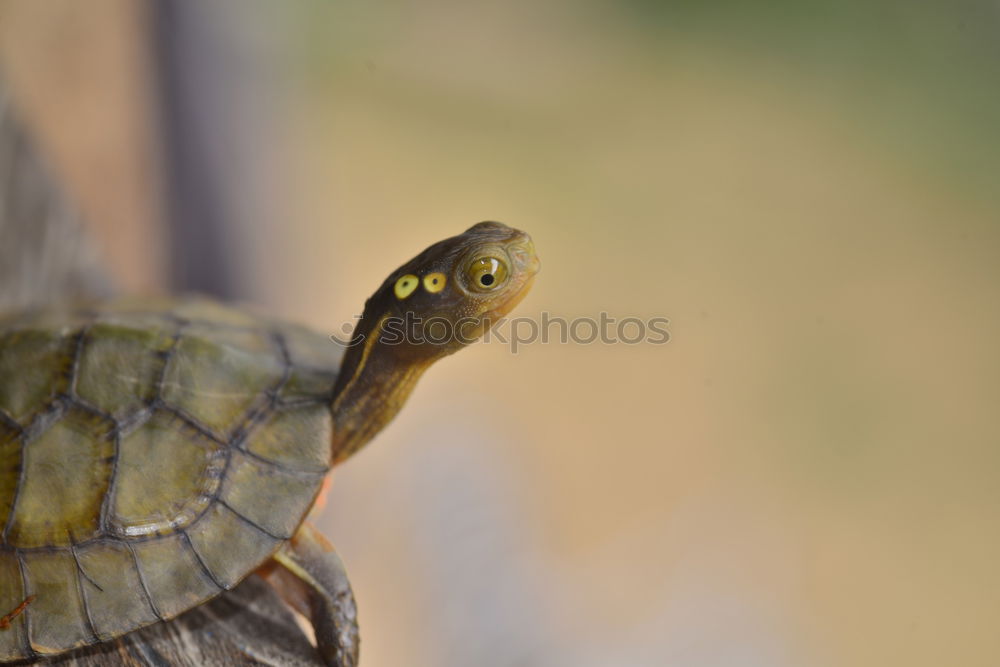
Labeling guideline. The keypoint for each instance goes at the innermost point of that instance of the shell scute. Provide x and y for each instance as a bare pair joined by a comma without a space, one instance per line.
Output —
120,365
57,617
40,360
268,496
167,476
66,472
219,534
173,575
295,437
114,593
217,377
306,349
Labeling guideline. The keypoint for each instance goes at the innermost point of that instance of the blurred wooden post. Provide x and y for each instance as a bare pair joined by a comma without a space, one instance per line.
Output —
45,257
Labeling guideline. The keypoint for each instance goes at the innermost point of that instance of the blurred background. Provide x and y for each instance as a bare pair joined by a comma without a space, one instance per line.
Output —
807,474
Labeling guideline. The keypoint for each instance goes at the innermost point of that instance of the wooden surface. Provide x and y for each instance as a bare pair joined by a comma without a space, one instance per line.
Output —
46,257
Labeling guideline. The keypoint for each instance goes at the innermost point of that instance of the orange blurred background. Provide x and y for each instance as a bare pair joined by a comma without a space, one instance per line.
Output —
805,475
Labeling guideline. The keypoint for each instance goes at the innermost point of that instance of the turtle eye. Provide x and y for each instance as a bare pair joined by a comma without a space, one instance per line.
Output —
405,286
486,273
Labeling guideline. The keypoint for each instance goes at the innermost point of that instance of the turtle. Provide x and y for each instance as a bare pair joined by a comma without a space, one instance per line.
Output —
155,452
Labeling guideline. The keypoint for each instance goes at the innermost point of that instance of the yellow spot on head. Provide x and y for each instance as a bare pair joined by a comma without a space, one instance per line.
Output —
405,285
434,282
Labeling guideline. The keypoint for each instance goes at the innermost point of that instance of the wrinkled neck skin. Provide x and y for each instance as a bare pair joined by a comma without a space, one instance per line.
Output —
375,380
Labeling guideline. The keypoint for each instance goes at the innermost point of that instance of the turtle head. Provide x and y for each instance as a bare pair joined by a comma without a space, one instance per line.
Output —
440,301
449,295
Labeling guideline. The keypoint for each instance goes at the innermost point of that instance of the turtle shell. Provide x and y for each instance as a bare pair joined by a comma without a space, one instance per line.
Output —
151,456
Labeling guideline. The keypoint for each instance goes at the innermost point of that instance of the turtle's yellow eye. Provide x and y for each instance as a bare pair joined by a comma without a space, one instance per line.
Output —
405,285
486,273
434,282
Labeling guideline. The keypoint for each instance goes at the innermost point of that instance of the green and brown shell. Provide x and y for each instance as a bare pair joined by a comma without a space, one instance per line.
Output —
151,456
